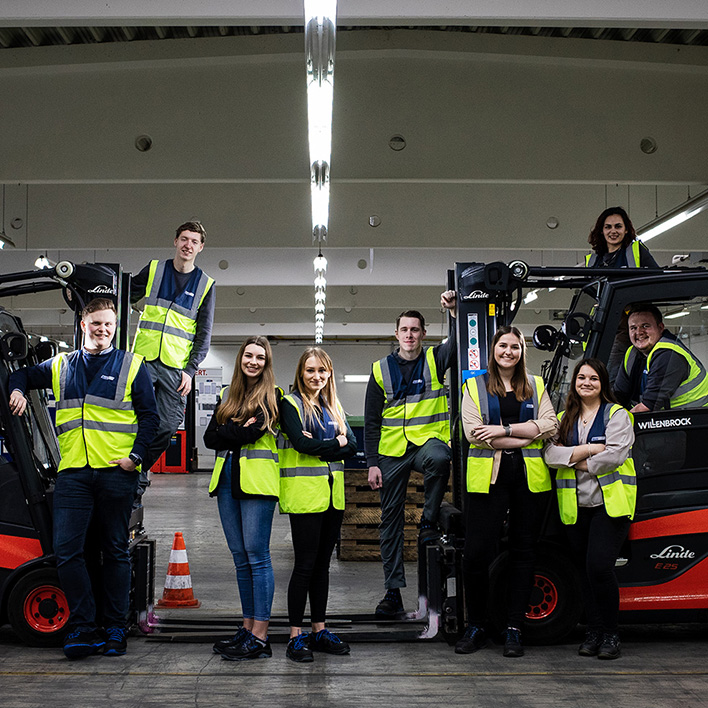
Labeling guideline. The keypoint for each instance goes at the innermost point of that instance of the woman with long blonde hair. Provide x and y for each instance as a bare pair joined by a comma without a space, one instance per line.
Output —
316,440
246,482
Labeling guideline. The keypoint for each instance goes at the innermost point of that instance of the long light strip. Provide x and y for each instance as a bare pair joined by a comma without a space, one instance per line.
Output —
674,217
320,34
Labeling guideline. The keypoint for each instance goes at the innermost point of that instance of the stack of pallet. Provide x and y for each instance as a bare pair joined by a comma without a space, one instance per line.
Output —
360,533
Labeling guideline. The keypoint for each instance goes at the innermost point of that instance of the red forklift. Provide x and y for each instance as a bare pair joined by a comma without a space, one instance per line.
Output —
31,600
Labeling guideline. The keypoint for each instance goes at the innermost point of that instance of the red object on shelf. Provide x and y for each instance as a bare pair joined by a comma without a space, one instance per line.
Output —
174,459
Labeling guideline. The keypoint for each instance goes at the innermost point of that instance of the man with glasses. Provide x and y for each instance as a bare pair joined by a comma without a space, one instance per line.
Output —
659,372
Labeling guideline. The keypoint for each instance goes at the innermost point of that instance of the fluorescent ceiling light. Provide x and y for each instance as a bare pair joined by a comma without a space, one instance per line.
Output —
674,217
674,315
531,295
356,378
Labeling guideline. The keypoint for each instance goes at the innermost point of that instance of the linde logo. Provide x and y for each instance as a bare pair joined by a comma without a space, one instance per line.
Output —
186,292
674,552
102,290
477,295
108,378
667,423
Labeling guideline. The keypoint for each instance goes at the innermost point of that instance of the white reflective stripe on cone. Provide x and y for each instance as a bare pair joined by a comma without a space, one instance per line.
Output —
177,556
178,582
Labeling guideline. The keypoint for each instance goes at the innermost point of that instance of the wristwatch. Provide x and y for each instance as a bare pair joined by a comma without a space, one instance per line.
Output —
135,459
507,430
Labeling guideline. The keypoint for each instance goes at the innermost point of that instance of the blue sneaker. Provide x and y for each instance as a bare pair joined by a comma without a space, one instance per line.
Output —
221,644
116,641
391,607
78,644
328,642
298,648
251,647
471,641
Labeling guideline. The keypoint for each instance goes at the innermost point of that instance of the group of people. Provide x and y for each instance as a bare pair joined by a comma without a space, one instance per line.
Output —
117,410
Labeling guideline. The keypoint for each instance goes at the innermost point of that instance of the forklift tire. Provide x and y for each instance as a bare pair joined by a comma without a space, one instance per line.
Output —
554,607
37,609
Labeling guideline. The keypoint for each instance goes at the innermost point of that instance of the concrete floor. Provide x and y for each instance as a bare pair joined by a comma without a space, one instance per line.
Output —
664,666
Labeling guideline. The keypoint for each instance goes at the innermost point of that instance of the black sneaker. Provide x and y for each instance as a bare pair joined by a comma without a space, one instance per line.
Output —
78,644
298,648
251,647
591,644
391,607
472,640
512,642
610,647
116,641
221,644
328,642
427,532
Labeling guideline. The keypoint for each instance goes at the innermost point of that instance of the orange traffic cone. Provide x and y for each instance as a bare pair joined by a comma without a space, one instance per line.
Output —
178,583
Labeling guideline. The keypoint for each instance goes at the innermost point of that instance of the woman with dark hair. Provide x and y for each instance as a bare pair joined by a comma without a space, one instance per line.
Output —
506,413
596,486
316,439
614,243
246,483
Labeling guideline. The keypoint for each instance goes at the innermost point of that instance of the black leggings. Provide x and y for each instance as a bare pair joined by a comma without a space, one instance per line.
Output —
484,518
314,539
596,540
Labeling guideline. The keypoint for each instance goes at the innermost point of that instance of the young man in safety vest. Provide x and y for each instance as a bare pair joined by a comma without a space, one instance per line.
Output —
406,427
174,330
659,372
105,418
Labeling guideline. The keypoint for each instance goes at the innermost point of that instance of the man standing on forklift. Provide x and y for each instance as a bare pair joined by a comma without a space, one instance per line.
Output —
659,372
407,427
174,330
105,419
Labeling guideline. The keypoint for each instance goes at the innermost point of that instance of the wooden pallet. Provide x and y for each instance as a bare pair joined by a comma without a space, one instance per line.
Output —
362,516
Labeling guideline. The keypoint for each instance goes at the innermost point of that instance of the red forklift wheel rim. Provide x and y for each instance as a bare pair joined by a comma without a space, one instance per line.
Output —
549,602
35,619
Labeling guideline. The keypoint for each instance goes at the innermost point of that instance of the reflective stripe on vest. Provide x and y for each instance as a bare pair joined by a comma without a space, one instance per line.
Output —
304,479
94,430
619,487
416,418
166,330
480,461
258,464
692,392
632,255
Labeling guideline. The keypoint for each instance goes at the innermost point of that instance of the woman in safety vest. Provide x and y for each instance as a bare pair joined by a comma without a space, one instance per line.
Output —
614,243
246,482
505,413
596,486
317,438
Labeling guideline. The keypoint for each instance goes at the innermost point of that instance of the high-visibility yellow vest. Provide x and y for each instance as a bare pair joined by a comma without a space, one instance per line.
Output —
416,418
166,329
305,479
480,461
631,253
258,464
692,392
619,487
98,424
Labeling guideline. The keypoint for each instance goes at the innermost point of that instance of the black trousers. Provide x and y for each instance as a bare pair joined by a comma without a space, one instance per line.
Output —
314,539
596,540
484,518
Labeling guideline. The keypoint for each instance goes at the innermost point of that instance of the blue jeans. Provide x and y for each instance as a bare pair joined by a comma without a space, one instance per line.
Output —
106,496
247,524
